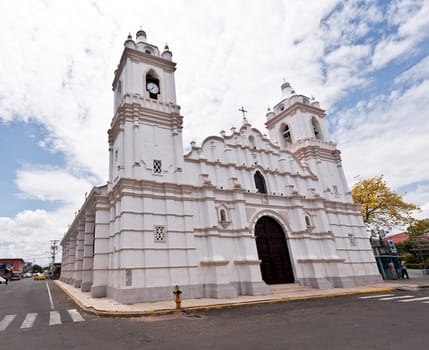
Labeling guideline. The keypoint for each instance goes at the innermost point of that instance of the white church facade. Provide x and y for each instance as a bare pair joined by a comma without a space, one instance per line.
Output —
236,214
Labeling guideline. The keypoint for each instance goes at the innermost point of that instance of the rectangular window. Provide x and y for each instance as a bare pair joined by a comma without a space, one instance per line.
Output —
128,277
157,167
159,234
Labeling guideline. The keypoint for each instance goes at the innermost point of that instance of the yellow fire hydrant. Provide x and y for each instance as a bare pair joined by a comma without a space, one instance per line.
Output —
178,293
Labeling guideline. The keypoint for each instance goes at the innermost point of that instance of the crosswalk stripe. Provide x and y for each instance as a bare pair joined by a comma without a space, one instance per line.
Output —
54,318
29,320
414,299
397,297
6,321
75,315
376,296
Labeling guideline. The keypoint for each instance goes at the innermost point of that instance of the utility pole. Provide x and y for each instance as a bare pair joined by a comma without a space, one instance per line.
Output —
54,248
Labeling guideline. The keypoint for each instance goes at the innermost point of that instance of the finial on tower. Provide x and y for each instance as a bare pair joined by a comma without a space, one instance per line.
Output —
130,42
167,54
286,88
141,36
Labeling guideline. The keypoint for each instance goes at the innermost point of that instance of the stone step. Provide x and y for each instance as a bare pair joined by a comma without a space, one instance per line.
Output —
287,287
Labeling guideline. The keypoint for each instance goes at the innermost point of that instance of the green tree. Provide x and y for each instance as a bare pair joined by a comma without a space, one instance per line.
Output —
419,228
36,268
418,243
381,206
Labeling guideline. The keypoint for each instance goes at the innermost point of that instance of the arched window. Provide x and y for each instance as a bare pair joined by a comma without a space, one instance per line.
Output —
152,85
307,221
252,141
287,137
316,129
223,215
260,183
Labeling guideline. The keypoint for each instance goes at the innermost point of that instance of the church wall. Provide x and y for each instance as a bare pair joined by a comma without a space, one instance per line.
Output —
146,265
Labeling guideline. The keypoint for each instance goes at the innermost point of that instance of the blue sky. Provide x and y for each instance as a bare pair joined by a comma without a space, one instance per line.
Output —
367,62
19,146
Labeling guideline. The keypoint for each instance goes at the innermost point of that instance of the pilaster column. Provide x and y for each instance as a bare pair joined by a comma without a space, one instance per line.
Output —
72,257
88,253
79,255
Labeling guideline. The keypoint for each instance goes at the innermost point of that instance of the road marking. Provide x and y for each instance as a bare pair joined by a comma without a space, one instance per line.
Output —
376,296
6,321
54,318
415,299
50,297
76,317
398,297
29,320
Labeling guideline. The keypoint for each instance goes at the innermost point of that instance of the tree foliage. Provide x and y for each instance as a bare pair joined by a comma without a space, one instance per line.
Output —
36,268
419,228
380,205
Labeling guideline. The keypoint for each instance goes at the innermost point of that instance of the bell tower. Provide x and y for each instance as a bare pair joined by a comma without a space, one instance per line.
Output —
145,135
297,124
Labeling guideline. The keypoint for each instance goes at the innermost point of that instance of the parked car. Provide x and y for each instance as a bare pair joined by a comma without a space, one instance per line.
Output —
16,275
39,277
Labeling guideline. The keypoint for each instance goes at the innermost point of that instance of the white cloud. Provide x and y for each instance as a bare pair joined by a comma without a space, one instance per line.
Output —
388,138
51,185
415,74
411,17
28,236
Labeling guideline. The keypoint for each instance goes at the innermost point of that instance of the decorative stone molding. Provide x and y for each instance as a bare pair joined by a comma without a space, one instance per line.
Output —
213,262
247,262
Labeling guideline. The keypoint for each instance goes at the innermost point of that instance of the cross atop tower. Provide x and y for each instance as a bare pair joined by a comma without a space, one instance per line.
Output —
242,110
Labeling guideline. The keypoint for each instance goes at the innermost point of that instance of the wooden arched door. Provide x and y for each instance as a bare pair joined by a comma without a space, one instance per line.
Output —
272,249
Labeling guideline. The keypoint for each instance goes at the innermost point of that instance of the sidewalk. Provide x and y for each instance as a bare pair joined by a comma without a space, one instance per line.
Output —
279,293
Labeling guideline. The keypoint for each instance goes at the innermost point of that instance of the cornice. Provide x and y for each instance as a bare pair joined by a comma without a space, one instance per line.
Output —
139,56
297,106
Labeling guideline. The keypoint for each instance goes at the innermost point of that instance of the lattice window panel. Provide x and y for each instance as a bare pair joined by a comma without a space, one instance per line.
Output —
159,234
157,167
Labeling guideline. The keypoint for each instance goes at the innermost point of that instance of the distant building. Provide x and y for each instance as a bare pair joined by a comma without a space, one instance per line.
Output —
239,212
15,264
397,237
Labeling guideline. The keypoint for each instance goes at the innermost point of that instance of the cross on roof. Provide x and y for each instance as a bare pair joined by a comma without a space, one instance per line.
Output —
242,110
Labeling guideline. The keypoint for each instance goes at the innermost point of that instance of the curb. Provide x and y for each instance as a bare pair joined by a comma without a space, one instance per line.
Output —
188,309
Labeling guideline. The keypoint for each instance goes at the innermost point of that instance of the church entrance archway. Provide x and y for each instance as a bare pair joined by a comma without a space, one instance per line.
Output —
272,249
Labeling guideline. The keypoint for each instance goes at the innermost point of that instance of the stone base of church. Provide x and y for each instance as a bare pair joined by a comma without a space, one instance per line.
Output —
147,295
67,280
77,283
219,291
98,291
251,288
340,282
86,286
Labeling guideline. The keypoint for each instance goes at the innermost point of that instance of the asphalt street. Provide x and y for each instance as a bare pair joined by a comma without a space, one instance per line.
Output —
394,320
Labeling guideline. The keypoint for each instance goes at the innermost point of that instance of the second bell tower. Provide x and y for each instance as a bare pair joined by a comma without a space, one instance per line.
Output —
297,124
145,135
